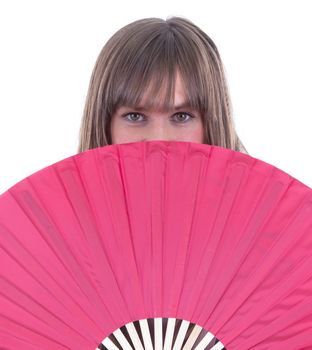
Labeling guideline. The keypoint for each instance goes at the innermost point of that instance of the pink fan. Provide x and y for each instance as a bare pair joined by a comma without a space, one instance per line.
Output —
156,245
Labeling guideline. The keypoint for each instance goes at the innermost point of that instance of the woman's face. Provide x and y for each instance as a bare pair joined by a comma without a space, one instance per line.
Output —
139,124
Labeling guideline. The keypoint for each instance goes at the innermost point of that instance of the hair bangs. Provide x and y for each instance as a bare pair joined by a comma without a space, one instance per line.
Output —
150,78
195,74
153,91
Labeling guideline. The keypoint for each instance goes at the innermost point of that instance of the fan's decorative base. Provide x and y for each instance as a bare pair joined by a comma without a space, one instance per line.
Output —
161,334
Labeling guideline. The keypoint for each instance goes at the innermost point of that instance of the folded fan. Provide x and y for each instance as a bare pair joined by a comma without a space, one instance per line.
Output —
159,244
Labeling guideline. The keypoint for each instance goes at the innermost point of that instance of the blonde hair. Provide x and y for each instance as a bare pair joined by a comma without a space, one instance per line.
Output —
145,56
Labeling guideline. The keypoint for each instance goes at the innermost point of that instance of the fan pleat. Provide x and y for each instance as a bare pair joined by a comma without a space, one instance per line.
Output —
265,276
104,245
79,215
22,290
16,340
155,185
230,280
284,290
265,266
32,312
268,327
182,207
293,337
202,246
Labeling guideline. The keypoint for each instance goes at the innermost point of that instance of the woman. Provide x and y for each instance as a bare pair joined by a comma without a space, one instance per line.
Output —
158,79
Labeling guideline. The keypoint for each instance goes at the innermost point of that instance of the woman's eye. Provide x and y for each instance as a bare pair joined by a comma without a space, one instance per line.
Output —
132,117
182,117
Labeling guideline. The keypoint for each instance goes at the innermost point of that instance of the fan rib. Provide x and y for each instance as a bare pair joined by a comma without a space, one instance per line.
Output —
181,335
169,333
205,341
148,345
134,336
109,344
192,337
122,340
158,337
218,346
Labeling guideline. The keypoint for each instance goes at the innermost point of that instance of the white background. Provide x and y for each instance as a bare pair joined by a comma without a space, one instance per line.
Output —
48,50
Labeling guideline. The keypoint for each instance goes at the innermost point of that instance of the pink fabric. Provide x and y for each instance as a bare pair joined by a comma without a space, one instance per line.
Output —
156,229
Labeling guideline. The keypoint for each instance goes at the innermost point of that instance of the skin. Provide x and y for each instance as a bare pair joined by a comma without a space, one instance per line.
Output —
140,124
